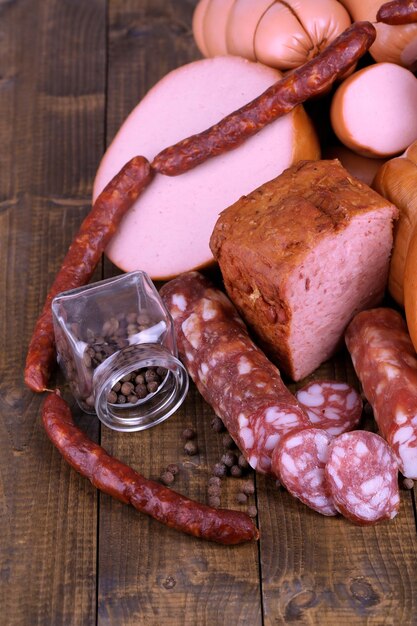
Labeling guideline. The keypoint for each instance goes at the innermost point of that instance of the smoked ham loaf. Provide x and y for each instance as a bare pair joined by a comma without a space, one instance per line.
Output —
167,231
301,255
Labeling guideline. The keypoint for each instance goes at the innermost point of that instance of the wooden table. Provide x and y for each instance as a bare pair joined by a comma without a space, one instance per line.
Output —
70,72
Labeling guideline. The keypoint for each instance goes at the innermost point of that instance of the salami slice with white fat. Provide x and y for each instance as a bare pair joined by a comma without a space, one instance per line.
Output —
232,374
335,407
362,477
299,462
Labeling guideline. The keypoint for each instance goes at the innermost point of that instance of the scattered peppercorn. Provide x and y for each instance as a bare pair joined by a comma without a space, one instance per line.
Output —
167,478
214,490
220,470
217,424
242,462
236,471
252,511
190,447
214,501
241,498
228,442
214,480
408,483
248,488
277,484
229,458
173,468
188,433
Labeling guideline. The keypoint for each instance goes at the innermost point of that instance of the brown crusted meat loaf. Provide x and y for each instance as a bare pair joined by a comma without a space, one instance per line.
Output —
301,255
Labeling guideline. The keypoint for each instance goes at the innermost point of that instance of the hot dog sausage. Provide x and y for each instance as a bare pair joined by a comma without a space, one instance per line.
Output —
82,258
122,482
231,373
296,87
385,362
398,12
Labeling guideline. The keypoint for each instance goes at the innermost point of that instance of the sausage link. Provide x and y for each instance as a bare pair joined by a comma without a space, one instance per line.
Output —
279,99
82,258
122,482
398,12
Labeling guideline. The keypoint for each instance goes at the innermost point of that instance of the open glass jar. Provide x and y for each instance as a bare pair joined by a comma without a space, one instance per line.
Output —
116,346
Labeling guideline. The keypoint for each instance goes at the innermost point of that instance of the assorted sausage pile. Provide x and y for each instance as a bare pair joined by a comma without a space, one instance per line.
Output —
307,441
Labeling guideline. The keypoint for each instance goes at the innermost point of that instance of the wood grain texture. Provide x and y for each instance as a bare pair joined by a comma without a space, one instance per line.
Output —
322,571
149,574
51,128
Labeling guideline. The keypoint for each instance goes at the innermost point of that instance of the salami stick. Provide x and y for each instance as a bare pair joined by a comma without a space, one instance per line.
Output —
279,99
398,12
82,258
244,388
122,482
385,362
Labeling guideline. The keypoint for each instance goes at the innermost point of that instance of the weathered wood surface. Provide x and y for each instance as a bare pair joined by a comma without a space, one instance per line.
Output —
70,71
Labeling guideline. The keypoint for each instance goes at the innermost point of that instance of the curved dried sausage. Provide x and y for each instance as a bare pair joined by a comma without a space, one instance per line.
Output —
398,12
82,258
122,482
295,88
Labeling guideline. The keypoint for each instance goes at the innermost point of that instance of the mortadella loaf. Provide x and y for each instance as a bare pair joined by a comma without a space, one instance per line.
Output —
301,255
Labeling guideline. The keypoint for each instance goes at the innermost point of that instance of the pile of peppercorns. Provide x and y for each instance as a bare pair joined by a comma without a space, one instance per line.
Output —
137,385
232,463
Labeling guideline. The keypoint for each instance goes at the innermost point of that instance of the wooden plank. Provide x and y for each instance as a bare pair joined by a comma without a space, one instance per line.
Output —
324,571
52,78
149,574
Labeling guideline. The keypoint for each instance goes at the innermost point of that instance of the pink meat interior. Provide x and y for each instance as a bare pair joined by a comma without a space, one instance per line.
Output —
343,274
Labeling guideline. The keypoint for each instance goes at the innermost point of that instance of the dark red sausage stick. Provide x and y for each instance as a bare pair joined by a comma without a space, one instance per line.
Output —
120,481
398,12
82,258
292,90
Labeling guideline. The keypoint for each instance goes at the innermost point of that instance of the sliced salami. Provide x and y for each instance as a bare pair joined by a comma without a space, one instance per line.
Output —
333,406
244,388
299,462
385,361
362,477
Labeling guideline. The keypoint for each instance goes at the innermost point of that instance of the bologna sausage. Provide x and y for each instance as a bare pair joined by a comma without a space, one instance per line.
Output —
295,88
82,258
122,482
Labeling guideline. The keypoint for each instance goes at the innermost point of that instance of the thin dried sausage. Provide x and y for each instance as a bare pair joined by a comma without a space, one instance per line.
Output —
385,362
122,482
295,88
82,258
398,12
232,374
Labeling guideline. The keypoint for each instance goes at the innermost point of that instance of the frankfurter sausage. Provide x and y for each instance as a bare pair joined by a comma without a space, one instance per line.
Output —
82,258
232,374
122,482
308,80
398,12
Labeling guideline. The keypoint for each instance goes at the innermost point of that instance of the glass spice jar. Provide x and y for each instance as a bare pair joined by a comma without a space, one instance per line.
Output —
116,346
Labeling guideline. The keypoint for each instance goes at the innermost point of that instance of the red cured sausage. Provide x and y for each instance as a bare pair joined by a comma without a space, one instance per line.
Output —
295,88
82,258
331,405
299,461
362,477
385,362
398,12
120,481
231,373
